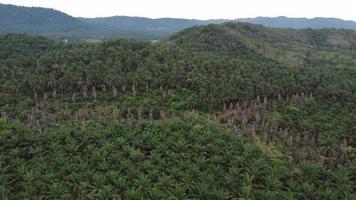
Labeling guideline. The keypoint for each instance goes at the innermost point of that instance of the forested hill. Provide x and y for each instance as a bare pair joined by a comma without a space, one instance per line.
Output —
300,23
298,47
17,19
225,112
49,22
327,37
159,28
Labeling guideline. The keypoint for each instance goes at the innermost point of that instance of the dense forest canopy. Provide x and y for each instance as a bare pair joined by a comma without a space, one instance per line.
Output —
214,112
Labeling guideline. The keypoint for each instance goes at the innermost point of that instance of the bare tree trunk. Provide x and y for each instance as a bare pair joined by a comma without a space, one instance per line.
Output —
54,94
139,115
74,96
114,91
290,160
150,115
85,92
83,127
134,90
94,93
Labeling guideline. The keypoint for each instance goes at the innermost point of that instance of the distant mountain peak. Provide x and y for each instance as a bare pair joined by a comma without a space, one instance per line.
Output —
301,23
47,21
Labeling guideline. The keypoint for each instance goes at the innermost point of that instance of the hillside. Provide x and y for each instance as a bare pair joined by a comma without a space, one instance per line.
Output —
214,112
301,23
15,19
287,46
49,22
159,28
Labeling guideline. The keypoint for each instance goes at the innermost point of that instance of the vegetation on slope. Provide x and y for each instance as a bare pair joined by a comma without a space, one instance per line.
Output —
208,114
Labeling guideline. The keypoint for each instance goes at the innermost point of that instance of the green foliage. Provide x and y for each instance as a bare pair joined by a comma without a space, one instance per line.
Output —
213,113
57,164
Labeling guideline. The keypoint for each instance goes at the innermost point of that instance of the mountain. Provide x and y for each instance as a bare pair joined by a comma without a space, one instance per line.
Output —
158,27
50,22
18,19
300,23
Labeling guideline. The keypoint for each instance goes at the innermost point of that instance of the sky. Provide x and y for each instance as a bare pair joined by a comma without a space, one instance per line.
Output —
199,9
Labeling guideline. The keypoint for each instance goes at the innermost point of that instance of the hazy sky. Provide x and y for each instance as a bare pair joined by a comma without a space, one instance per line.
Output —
199,9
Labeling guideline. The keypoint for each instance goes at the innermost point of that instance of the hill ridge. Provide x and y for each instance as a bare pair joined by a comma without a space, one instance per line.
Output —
51,22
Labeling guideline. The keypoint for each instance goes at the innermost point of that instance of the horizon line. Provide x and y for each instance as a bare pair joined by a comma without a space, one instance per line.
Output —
200,19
